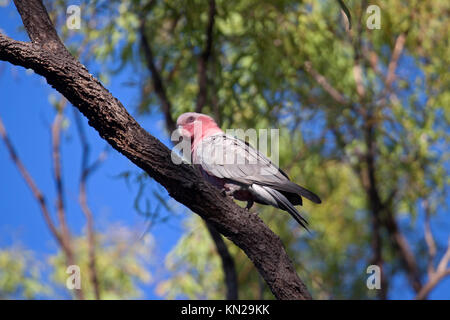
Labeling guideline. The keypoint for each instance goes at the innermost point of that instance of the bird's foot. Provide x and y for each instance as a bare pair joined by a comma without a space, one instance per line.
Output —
226,192
249,205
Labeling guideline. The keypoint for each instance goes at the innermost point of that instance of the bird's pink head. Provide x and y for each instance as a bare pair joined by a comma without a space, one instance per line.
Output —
197,126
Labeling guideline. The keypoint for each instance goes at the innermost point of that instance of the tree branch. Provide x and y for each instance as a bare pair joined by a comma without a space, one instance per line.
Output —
323,82
86,170
228,266
400,242
442,270
374,200
114,124
30,183
429,239
56,159
431,284
158,84
39,27
204,59
398,49
57,234
437,275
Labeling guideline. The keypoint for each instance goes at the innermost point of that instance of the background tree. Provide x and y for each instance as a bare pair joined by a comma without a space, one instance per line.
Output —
363,117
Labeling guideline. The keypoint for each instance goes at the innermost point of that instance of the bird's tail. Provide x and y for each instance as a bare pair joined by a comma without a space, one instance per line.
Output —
292,187
284,204
304,192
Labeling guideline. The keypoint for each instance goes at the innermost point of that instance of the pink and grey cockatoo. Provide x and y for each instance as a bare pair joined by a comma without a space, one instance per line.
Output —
249,176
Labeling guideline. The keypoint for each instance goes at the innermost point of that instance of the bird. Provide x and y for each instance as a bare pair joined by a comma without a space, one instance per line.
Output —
238,169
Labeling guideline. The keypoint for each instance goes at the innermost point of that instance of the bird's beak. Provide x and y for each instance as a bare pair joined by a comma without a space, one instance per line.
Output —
183,132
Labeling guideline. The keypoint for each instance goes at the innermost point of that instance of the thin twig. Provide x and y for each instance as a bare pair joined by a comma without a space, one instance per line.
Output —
57,170
442,271
325,84
38,195
158,83
429,239
392,67
86,170
400,242
56,158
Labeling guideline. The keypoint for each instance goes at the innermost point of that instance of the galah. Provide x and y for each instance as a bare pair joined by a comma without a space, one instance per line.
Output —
249,176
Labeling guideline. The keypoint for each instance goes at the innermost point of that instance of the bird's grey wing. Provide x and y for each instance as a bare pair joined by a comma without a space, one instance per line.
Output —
227,157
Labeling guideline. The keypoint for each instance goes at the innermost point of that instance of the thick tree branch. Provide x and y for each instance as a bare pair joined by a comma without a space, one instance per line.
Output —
114,124
382,215
375,203
39,26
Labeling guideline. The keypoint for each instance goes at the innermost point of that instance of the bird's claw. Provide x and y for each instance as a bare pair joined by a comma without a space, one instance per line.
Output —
249,205
226,192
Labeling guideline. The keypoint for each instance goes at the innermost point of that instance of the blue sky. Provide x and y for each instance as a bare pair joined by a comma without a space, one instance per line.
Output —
27,115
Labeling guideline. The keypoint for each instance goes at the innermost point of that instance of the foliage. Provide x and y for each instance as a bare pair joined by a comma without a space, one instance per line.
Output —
122,262
21,275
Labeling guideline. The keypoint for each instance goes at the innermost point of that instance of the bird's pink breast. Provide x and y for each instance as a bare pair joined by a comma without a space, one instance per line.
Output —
208,128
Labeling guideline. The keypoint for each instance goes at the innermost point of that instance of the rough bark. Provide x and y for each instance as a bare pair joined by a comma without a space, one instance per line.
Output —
114,124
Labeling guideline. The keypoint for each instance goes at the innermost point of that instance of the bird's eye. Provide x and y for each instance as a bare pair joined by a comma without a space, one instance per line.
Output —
190,119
